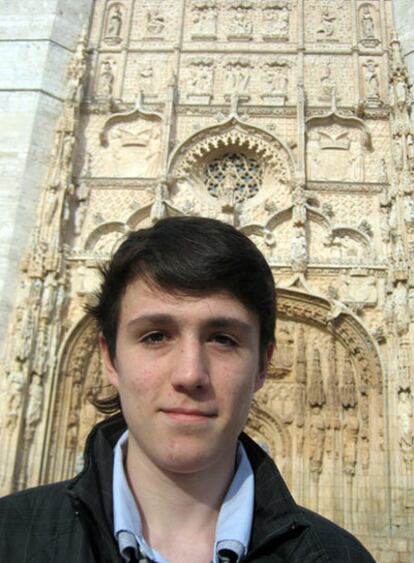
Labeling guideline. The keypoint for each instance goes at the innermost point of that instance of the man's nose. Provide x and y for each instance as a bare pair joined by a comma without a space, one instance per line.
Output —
190,369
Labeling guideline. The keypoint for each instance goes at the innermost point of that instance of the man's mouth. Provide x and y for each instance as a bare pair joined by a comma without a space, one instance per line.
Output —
188,414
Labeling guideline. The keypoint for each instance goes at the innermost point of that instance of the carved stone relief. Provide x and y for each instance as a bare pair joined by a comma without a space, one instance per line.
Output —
237,78
372,83
240,24
313,390
276,81
333,147
204,19
200,80
131,146
328,23
115,24
154,22
327,30
276,20
106,78
367,26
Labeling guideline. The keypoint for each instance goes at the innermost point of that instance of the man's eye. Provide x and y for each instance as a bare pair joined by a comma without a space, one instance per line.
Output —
225,340
154,337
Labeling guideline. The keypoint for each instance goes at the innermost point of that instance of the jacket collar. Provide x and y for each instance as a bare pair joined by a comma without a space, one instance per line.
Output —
275,512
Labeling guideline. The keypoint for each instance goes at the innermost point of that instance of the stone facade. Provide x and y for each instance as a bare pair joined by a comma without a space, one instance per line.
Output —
289,119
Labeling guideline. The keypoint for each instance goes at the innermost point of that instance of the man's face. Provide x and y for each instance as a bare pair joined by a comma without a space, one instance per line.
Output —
186,369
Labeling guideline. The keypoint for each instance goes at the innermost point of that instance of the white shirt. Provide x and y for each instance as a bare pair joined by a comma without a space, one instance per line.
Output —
234,522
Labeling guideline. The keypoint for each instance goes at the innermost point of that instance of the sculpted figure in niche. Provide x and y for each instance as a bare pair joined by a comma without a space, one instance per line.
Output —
237,79
398,152
401,311
75,74
204,21
15,385
283,362
405,418
410,154
241,24
82,199
316,440
356,160
34,407
401,91
201,81
114,23
409,211
371,79
367,21
327,24
276,80
299,206
350,442
155,22
23,332
299,250
146,78
383,172
327,81
107,78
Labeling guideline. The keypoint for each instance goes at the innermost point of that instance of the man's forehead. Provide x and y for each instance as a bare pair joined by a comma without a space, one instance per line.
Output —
147,299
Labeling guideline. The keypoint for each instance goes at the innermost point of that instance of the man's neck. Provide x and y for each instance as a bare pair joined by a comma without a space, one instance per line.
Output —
179,510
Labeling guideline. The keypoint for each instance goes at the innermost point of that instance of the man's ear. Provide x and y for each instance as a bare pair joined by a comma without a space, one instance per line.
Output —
110,368
264,366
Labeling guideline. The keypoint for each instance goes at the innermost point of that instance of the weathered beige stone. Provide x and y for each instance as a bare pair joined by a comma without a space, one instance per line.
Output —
289,119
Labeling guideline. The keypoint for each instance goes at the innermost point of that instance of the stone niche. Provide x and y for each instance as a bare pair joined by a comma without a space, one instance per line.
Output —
336,148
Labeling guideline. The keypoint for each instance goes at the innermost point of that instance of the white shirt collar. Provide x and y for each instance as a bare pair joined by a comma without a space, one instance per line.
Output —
234,522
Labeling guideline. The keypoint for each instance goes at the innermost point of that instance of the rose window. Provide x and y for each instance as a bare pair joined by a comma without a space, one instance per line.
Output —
233,177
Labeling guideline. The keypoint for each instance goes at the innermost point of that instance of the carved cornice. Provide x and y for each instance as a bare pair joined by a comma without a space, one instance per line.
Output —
345,187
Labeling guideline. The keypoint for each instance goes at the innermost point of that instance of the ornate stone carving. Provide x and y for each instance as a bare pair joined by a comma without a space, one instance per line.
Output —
200,80
316,441
154,22
327,81
132,144
372,83
233,179
276,81
406,426
75,73
14,392
299,250
367,25
204,23
348,389
336,147
237,78
240,25
350,441
327,24
106,78
114,24
275,20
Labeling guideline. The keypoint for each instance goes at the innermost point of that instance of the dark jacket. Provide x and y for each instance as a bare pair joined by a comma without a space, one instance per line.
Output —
72,522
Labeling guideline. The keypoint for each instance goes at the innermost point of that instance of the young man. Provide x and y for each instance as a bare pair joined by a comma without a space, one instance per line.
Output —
186,314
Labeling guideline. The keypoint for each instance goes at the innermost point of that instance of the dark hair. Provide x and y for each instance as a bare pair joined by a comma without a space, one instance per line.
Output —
186,255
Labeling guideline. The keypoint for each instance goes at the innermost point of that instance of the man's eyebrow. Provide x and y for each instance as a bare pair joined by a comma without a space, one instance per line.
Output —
224,322
154,318
220,322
